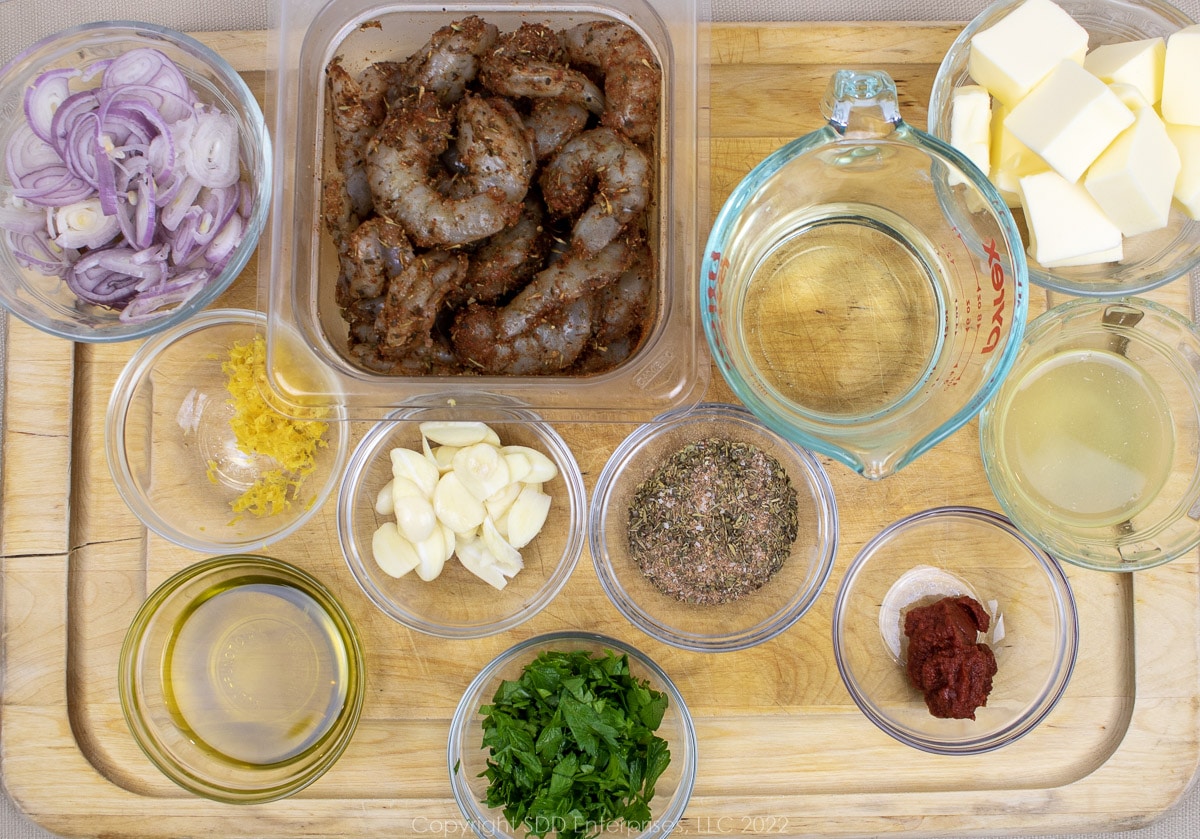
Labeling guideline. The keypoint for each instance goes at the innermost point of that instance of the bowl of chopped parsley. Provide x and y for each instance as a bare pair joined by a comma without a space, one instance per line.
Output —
568,736
201,449
711,532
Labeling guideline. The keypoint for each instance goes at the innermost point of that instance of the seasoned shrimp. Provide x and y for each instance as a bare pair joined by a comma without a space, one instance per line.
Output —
632,77
554,122
622,306
376,252
551,345
505,262
436,359
356,117
528,63
407,148
414,299
603,166
494,150
449,61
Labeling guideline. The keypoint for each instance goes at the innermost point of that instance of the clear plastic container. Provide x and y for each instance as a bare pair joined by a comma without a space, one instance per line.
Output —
298,267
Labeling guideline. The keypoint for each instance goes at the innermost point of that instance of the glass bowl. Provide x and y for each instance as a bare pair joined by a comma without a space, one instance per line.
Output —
951,551
1092,445
173,452
758,614
45,300
1150,259
200,684
300,269
468,758
459,604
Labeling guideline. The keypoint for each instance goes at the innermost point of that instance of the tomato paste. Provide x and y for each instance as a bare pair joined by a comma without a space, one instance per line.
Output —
945,661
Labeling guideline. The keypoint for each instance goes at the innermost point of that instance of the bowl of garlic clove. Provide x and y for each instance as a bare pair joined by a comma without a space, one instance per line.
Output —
462,521
1080,114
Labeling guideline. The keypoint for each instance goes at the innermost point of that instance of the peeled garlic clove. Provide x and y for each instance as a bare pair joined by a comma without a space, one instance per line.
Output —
443,456
541,468
404,488
476,558
414,466
451,540
452,433
518,465
394,554
415,517
499,503
431,555
527,516
508,558
481,469
384,505
457,508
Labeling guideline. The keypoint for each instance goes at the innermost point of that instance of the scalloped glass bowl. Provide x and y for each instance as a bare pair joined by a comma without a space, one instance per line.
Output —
1118,488
467,758
172,451
1151,259
457,604
45,302
192,686
756,616
949,551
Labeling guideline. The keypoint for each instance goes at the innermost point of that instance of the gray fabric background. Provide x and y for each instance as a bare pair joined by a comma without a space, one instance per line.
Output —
25,21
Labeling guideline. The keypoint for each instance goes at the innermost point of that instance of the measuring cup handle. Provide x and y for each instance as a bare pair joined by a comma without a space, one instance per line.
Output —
861,103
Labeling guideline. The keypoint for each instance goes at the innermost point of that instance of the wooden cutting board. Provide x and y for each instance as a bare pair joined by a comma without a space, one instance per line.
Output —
782,749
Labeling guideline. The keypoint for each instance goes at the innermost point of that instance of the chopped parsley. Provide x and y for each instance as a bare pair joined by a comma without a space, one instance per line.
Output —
572,748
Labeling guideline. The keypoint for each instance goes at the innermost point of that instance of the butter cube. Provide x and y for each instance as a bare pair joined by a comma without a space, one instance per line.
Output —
1130,96
1010,57
1137,63
1181,69
970,126
1011,159
1133,180
1066,225
1187,185
1069,119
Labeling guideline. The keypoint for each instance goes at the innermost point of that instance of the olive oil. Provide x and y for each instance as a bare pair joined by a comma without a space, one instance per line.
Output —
256,672
1088,436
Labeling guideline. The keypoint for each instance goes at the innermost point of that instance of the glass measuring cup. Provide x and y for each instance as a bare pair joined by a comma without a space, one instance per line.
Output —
864,288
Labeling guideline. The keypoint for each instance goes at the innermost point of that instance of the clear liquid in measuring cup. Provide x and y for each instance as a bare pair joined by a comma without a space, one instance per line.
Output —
843,315
257,673
1088,436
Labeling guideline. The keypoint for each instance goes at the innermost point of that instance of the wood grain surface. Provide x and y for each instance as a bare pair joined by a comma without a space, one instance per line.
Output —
782,749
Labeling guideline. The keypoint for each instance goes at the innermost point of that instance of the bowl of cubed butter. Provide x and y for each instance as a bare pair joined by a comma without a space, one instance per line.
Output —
1086,117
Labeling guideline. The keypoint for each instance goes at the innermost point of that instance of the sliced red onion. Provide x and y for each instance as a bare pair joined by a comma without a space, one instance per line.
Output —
185,195
147,67
154,303
38,173
36,251
210,146
85,224
43,98
85,101
225,242
22,218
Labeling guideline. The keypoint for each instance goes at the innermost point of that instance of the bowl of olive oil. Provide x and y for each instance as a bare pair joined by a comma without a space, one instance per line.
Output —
241,678
1092,444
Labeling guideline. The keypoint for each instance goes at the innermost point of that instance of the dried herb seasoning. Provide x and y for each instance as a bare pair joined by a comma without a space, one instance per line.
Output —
715,521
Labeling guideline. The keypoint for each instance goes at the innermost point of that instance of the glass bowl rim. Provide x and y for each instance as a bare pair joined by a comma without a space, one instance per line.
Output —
468,704
817,480
335,740
1068,645
368,448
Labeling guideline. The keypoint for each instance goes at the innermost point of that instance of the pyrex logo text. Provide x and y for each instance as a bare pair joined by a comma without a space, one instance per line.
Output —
997,272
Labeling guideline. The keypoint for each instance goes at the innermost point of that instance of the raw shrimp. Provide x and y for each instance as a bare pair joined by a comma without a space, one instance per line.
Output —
554,122
603,166
622,306
376,252
506,261
528,63
449,62
435,359
632,77
356,117
407,148
494,150
547,325
414,299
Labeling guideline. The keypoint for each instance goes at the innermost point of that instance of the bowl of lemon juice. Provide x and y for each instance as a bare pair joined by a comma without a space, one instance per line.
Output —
1091,444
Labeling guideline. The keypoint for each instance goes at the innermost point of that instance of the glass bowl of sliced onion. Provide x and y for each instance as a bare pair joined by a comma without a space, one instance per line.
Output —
136,181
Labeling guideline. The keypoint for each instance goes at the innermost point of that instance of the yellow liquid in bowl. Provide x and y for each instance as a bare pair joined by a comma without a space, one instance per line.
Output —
1088,438
257,673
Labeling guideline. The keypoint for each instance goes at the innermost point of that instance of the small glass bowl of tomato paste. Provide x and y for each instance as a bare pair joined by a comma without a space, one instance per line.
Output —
955,633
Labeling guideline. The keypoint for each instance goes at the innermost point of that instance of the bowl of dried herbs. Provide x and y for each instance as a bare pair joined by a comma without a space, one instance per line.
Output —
711,532
568,736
